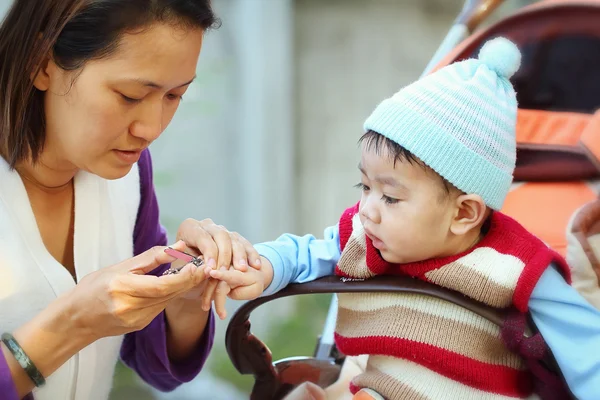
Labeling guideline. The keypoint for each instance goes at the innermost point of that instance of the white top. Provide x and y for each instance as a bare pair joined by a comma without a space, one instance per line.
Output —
30,278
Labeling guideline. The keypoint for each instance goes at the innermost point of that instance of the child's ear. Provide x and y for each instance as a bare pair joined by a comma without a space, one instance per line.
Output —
471,211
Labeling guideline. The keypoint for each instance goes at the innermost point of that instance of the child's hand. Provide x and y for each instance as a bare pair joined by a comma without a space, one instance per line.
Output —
242,285
220,248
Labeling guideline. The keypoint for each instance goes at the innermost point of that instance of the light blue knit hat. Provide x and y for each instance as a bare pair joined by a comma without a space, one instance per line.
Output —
460,121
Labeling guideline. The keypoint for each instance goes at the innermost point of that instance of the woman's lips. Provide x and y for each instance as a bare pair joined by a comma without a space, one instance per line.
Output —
128,156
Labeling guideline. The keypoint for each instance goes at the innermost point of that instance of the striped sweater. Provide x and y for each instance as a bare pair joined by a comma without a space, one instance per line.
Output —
425,348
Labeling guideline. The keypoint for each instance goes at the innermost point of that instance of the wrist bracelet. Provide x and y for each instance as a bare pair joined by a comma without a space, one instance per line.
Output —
24,361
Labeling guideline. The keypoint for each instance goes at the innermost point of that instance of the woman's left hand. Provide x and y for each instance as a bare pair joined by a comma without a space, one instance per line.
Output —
220,249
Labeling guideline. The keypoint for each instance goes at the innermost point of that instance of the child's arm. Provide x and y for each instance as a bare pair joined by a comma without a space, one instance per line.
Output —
299,259
289,259
571,327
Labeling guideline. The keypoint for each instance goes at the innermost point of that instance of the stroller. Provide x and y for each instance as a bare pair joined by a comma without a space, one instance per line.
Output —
557,175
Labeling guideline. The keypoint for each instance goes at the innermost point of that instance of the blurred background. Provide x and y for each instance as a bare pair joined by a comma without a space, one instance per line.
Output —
264,141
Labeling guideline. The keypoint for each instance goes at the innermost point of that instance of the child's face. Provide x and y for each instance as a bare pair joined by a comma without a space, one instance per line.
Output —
404,208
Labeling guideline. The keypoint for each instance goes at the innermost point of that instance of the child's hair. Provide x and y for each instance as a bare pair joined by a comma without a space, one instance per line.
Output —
379,144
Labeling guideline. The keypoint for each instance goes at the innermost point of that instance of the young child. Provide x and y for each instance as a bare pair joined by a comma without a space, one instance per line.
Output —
436,165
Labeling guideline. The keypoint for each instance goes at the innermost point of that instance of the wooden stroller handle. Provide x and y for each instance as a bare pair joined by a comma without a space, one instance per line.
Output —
249,355
476,11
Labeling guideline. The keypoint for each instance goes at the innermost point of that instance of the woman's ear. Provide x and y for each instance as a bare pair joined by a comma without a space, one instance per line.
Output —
42,79
471,212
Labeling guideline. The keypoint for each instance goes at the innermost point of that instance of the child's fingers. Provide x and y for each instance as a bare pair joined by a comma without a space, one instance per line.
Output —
209,291
242,293
221,293
232,277
245,292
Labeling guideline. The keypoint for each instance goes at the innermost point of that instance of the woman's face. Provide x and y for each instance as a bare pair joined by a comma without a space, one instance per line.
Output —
102,116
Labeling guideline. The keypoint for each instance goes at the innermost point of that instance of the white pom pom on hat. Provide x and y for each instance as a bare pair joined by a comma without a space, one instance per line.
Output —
502,56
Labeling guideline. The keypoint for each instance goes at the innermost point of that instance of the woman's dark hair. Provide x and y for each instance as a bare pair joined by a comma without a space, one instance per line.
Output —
72,32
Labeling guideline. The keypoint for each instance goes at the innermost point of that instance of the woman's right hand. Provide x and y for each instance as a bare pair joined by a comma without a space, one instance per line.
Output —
112,301
121,298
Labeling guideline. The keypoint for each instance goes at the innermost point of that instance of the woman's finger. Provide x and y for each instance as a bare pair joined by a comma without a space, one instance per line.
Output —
192,232
240,258
221,237
166,286
140,268
145,262
253,256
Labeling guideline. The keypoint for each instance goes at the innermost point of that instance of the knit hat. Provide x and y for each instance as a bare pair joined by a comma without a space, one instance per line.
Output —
460,121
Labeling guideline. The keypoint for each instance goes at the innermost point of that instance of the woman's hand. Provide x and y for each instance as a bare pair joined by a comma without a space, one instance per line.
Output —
112,301
220,249
121,298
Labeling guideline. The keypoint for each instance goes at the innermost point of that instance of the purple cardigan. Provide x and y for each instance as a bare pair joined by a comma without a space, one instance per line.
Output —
145,351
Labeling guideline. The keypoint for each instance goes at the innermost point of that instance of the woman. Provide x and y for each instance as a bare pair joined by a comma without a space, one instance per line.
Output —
86,86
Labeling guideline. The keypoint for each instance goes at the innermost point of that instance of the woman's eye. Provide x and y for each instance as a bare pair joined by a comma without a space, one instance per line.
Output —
362,187
130,99
389,200
174,97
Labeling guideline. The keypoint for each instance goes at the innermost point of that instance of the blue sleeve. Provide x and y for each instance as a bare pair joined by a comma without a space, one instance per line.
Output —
299,259
571,327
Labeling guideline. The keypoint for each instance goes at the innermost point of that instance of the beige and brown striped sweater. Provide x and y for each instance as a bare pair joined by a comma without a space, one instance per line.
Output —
420,347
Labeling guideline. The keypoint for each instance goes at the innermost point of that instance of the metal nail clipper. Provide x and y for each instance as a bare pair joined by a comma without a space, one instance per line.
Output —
180,255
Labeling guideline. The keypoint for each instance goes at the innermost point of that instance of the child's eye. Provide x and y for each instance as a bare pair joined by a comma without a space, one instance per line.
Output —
362,187
389,200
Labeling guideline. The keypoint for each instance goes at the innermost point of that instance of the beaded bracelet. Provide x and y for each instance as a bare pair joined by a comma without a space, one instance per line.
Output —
24,361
